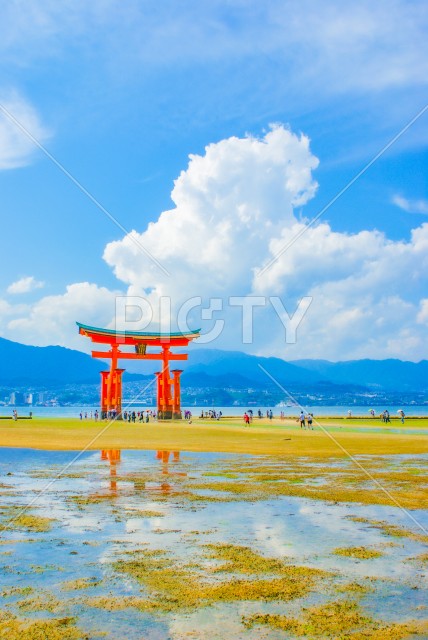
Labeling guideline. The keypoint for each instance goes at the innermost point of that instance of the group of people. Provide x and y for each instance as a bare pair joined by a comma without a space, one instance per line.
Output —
306,419
385,416
212,413
127,416
138,416
90,415
248,415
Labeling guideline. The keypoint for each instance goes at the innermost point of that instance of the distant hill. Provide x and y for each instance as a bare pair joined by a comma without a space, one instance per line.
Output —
235,366
49,366
389,375
57,366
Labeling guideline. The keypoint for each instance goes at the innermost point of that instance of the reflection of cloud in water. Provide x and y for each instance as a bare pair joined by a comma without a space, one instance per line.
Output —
274,530
212,623
309,532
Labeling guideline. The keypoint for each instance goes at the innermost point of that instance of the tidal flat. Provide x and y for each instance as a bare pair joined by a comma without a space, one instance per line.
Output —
173,545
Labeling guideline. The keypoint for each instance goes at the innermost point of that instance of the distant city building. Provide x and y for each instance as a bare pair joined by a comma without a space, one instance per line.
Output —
16,398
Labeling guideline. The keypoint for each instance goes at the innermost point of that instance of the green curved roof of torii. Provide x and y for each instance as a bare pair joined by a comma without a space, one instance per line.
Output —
138,334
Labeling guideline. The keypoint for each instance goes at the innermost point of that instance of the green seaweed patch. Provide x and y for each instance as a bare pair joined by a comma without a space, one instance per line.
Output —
340,620
43,601
120,603
20,541
356,588
277,589
17,591
393,530
316,480
76,475
95,498
43,568
14,628
422,558
145,513
31,523
51,473
219,474
171,586
241,559
80,583
361,553
196,532
195,498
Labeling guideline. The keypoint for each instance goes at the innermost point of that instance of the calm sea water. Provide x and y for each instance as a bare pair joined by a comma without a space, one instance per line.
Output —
73,412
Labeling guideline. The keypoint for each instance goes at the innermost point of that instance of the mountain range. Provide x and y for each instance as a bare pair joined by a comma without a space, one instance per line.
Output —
23,365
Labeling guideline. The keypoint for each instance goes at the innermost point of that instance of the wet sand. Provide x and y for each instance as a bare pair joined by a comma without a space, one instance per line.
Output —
330,438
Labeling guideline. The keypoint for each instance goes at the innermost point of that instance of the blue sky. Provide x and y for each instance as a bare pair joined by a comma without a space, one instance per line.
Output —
121,93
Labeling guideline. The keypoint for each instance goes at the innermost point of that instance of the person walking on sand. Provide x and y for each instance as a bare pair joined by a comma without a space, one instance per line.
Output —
302,420
246,419
402,416
309,419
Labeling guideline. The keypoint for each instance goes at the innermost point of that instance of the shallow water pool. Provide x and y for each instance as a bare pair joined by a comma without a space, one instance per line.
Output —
142,544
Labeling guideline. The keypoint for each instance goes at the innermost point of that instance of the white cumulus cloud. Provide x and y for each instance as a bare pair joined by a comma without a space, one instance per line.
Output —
25,285
422,316
52,319
18,116
411,206
236,208
228,205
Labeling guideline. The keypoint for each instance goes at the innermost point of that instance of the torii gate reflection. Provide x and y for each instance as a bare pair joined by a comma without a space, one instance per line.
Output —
114,458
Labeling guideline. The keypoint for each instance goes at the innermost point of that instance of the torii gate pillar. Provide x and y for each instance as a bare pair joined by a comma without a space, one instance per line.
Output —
111,391
169,404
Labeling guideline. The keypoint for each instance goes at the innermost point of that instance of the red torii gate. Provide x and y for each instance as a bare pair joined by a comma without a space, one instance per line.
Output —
168,389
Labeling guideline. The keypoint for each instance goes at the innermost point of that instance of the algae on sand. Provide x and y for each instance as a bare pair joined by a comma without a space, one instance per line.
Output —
343,619
360,553
14,628
172,586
